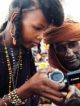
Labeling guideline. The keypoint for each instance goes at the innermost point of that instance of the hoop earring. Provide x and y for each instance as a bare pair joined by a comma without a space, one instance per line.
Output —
14,40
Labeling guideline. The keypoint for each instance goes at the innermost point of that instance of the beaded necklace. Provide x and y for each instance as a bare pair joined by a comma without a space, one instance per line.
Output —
13,71
16,66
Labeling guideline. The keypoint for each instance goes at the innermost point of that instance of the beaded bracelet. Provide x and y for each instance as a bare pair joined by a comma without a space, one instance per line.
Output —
14,98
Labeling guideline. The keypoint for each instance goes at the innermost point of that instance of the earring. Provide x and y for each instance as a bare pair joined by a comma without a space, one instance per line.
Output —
14,40
13,36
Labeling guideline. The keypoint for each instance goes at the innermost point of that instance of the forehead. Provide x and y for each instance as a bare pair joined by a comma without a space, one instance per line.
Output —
34,15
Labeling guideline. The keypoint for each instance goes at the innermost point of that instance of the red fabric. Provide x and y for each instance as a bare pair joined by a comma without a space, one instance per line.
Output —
69,31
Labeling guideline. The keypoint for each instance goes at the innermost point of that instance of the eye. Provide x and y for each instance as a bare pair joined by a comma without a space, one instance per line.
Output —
73,44
60,48
37,28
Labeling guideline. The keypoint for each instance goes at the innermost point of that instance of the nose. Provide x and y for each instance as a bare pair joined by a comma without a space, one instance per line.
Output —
40,37
69,52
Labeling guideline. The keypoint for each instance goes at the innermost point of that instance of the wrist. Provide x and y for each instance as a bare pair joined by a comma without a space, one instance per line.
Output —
13,98
5,101
24,92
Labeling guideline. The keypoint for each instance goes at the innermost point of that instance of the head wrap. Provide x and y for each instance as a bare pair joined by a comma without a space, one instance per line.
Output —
69,31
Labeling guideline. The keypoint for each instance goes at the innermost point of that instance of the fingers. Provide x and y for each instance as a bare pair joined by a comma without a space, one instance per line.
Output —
43,86
52,97
72,91
53,92
42,72
47,82
53,84
50,69
47,70
69,95
77,92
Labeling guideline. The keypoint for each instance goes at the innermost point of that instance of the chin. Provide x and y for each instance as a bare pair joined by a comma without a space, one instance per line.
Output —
72,67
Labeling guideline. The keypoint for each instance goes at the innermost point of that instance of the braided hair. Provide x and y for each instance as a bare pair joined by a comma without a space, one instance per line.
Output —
51,9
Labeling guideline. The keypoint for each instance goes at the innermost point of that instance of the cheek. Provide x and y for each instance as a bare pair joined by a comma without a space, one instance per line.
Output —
77,53
28,34
60,54
76,49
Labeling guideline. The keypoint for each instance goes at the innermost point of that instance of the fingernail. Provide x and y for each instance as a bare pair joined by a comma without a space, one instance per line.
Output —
64,93
62,84
61,99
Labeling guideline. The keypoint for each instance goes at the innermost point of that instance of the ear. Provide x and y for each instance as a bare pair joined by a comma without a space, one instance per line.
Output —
12,18
13,15
13,28
12,33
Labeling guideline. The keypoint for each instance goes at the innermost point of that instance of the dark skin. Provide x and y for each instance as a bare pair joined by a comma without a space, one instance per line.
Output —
34,24
69,54
33,27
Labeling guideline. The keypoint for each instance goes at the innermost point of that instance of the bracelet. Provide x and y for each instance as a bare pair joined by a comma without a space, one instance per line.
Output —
14,98
4,102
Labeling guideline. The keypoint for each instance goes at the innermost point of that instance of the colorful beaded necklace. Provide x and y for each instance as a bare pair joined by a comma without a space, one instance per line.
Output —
13,69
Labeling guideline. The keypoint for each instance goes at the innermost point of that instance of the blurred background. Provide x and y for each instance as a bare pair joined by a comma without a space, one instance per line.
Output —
71,9
4,6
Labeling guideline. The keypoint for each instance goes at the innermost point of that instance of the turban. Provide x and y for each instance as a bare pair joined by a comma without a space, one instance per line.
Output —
69,31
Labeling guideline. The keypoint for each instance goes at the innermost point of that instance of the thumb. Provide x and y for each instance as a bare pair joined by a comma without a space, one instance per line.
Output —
69,95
